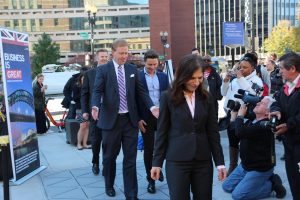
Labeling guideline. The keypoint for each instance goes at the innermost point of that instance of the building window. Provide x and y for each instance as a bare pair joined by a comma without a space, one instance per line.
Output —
22,4
23,22
16,23
7,23
14,4
39,6
31,4
41,22
55,22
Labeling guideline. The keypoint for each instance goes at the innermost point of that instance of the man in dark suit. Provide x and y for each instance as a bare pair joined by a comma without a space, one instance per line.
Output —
86,98
116,91
155,83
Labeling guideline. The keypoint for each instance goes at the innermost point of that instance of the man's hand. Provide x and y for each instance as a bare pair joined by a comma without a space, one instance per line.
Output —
85,116
222,174
276,113
155,111
281,129
242,110
155,173
95,112
142,125
233,115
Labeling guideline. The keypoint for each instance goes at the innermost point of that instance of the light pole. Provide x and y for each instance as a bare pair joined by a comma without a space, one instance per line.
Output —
164,40
91,10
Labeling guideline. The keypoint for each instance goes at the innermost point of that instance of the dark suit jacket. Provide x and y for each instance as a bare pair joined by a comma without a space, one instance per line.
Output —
106,87
144,113
87,90
179,137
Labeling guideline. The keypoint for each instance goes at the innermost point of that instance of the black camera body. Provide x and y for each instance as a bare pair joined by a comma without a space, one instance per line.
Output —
272,123
233,105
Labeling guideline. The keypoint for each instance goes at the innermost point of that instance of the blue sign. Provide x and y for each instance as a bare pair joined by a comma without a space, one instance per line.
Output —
14,50
233,33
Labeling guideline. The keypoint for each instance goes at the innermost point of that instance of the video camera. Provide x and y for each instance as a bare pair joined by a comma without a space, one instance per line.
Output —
248,98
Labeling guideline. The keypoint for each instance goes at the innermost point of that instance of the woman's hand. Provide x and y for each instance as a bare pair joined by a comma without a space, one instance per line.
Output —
222,174
155,173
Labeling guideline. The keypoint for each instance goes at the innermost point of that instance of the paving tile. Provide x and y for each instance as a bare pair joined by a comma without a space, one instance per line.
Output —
93,192
50,181
74,194
54,191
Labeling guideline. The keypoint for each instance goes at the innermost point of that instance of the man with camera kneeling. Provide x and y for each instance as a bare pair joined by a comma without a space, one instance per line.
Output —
253,178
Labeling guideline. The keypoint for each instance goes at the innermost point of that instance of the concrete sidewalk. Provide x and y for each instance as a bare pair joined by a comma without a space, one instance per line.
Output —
69,176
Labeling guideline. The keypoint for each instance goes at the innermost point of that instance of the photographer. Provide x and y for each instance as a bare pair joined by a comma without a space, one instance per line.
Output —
275,77
245,78
287,109
254,177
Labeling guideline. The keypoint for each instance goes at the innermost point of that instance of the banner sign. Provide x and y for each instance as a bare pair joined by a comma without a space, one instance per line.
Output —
233,33
17,81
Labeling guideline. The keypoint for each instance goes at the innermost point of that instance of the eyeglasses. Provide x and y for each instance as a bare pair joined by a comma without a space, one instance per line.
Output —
206,60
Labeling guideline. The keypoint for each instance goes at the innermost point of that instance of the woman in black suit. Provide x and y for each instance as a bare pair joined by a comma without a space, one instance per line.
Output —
187,135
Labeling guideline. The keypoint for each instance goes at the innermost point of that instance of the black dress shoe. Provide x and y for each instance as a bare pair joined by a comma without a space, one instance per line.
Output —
132,198
161,177
151,188
95,169
110,192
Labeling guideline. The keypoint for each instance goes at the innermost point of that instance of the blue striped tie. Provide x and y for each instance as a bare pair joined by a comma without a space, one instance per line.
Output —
122,90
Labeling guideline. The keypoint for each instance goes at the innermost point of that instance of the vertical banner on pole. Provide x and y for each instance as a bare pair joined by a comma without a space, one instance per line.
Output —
17,81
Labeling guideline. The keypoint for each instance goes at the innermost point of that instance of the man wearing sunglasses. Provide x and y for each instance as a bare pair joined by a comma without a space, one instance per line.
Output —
214,80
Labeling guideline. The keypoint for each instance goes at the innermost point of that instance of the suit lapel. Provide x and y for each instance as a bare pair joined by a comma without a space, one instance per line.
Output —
127,77
198,104
160,82
143,79
113,75
187,109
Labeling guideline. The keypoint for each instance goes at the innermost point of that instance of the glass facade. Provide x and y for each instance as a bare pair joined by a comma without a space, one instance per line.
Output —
45,4
286,10
210,15
128,19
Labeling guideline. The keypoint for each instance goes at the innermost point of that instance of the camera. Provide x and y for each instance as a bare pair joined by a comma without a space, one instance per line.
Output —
250,100
257,88
277,72
233,105
247,98
272,123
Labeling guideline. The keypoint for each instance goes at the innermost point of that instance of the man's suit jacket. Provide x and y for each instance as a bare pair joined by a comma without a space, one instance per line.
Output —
87,90
106,87
144,113
180,137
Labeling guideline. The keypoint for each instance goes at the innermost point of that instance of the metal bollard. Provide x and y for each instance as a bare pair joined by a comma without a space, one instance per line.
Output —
5,148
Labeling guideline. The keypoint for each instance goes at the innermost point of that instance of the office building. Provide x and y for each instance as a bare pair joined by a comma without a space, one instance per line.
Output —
66,21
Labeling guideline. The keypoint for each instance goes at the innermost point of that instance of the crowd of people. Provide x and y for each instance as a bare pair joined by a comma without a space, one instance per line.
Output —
178,121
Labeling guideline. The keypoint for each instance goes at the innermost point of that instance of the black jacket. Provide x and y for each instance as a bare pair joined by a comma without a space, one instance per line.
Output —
276,81
257,145
289,106
215,82
72,91
87,90
106,94
180,137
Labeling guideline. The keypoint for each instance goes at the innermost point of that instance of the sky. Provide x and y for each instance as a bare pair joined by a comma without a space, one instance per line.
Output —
138,1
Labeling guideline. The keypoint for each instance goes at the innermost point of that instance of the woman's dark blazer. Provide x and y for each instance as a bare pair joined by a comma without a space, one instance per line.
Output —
179,137
39,96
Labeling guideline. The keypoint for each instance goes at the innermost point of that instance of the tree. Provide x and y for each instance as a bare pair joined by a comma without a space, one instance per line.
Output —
45,52
282,38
